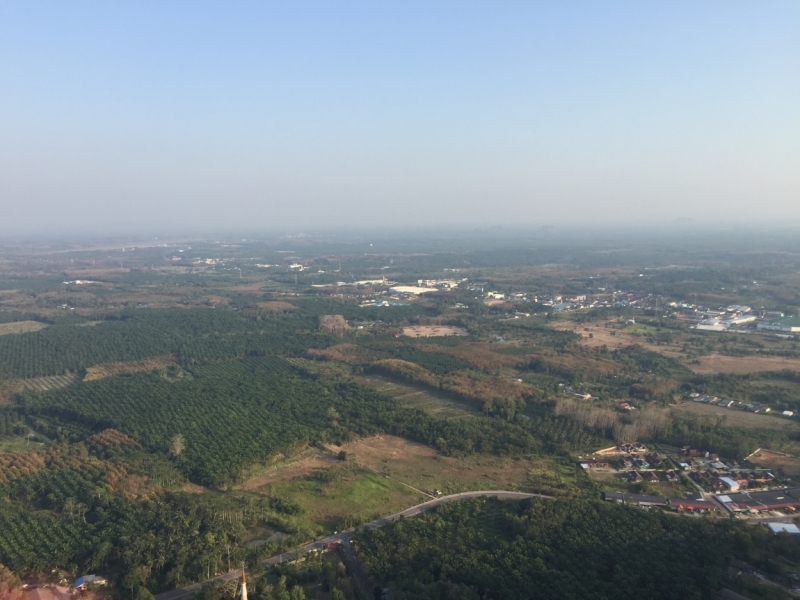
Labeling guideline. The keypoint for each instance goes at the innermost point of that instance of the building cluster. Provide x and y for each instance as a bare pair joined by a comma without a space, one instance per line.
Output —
736,405
772,501
697,505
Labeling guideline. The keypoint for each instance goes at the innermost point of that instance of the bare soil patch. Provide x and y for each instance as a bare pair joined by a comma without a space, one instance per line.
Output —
784,464
433,331
21,327
739,418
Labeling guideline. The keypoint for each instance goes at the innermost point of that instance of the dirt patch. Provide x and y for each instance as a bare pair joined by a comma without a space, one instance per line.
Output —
739,418
782,463
601,335
21,327
717,363
287,472
276,306
433,331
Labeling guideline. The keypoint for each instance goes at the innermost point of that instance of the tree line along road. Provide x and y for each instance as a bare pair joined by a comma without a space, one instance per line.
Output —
344,537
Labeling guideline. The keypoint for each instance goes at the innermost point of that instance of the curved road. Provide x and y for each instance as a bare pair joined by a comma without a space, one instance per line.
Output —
345,536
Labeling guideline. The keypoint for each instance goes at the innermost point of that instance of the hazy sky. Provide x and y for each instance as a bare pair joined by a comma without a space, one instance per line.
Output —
133,115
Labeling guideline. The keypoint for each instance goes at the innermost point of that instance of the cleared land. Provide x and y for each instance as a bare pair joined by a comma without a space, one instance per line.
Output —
717,363
424,468
21,327
788,465
42,384
417,397
739,418
121,368
433,331
711,364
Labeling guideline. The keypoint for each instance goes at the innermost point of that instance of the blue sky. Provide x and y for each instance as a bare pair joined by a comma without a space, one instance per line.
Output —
189,115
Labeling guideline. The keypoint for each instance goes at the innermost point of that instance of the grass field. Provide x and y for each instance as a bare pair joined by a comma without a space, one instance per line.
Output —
344,495
21,327
740,418
425,469
9,445
418,397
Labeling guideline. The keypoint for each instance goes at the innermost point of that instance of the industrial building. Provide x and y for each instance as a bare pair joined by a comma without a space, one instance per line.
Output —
785,325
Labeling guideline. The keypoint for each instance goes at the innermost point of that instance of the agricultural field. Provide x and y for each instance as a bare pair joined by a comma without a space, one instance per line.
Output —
419,397
21,327
681,345
740,418
222,412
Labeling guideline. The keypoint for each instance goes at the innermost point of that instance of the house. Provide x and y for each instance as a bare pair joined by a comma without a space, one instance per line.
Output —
788,413
651,477
729,483
635,476
85,580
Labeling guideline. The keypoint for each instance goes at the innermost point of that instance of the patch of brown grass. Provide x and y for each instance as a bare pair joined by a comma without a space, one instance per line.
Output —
276,306
480,354
286,472
717,363
21,327
122,368
347,353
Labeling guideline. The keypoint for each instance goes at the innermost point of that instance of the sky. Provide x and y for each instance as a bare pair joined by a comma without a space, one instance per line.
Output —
123,117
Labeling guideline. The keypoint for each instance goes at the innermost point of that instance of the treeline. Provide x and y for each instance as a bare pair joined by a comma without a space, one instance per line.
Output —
558,549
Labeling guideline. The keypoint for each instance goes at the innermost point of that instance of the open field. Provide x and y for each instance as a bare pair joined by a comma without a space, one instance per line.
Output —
308,463
9,445
424,468
417,397
433,331
344,495
710,364
21,327
739,418
717,363
787,465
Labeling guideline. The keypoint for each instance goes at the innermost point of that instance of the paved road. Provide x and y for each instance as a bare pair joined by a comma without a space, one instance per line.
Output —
344,537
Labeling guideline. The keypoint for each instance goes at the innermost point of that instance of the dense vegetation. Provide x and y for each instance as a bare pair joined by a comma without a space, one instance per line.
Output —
191,335
234,412
558,549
